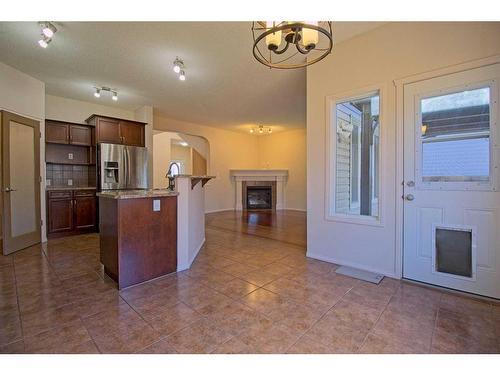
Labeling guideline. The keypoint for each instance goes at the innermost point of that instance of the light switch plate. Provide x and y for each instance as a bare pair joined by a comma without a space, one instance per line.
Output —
156,204
48,182
70,182
70,156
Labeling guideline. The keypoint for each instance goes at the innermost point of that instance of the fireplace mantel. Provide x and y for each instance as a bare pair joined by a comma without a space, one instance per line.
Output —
275,174
278,175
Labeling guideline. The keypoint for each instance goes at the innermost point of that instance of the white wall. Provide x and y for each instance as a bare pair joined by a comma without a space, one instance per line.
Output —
190,221
377,58
25,96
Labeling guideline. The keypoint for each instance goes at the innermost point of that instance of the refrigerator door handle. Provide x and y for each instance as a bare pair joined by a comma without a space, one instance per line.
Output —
129,173
125,168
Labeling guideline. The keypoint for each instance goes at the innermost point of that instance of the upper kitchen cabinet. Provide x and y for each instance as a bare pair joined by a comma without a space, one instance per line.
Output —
119,131
132,133
67,133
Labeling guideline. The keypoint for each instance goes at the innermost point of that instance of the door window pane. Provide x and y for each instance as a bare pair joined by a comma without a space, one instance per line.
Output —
356,169
22,176
455,135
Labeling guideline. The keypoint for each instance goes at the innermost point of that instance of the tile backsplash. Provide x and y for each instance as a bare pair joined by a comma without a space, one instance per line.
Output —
61,175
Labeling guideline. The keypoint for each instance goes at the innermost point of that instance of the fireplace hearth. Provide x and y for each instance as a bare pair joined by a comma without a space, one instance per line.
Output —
259,197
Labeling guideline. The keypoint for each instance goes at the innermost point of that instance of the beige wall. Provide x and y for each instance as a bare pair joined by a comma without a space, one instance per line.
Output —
228,150
64,109
377,58
235,150
183,154
287,150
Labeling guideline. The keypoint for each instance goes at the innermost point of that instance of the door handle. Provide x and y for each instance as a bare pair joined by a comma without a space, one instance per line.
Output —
8,190
409,197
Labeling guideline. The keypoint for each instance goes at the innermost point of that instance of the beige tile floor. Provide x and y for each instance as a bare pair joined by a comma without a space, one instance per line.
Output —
243,294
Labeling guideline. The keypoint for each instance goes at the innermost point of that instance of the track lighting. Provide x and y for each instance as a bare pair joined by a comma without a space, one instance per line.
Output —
47,31
178,65
261,129
113,92
179,68
44,42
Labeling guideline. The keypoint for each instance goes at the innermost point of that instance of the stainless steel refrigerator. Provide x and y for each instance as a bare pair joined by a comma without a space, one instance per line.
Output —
122,167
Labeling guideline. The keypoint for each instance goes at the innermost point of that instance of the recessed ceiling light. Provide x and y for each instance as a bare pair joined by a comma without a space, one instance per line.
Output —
182,75
115,96
97,93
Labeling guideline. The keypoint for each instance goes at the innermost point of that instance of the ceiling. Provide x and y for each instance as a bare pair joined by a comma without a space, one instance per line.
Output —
225,86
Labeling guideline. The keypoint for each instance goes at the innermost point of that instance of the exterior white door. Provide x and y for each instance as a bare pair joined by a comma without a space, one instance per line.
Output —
451,181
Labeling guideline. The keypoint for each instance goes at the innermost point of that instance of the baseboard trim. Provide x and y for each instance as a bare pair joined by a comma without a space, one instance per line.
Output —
351,264
197,252
296,209
219,210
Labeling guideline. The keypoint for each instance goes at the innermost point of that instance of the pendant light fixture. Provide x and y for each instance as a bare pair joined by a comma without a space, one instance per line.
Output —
291,44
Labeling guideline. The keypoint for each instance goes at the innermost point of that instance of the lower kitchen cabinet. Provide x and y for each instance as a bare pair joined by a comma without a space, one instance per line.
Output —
71,212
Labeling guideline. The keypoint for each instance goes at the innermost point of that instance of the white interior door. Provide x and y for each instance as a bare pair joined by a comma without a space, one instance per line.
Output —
451,181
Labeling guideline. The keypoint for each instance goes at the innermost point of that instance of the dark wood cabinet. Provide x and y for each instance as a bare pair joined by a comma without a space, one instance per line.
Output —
67,133
137,243
118,131
80,135
60,214
84,211
56,132
71,212
108,131
132,134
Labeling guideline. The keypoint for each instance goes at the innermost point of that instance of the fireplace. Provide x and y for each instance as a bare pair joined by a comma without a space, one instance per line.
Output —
259,197
274,179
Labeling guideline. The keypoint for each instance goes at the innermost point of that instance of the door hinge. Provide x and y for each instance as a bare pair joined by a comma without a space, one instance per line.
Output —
40,178
41,223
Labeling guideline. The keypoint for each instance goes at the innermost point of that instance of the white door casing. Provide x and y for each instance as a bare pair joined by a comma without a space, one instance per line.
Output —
450,203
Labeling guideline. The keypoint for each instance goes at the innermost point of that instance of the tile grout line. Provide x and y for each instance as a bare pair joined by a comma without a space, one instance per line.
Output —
378,318
321,317
435,324
18,304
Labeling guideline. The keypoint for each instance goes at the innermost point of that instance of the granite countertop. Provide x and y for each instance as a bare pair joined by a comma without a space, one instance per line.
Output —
69,188
132,194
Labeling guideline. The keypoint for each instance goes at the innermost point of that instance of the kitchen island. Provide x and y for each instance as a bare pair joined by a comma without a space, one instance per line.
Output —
138,234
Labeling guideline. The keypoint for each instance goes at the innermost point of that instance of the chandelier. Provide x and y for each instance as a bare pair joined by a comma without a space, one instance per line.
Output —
261,130
291,44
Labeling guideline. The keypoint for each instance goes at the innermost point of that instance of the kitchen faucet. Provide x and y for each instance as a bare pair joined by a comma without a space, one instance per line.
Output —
171,177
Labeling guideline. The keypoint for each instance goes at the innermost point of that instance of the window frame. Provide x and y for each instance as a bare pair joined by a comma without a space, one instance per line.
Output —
492,183
331,102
